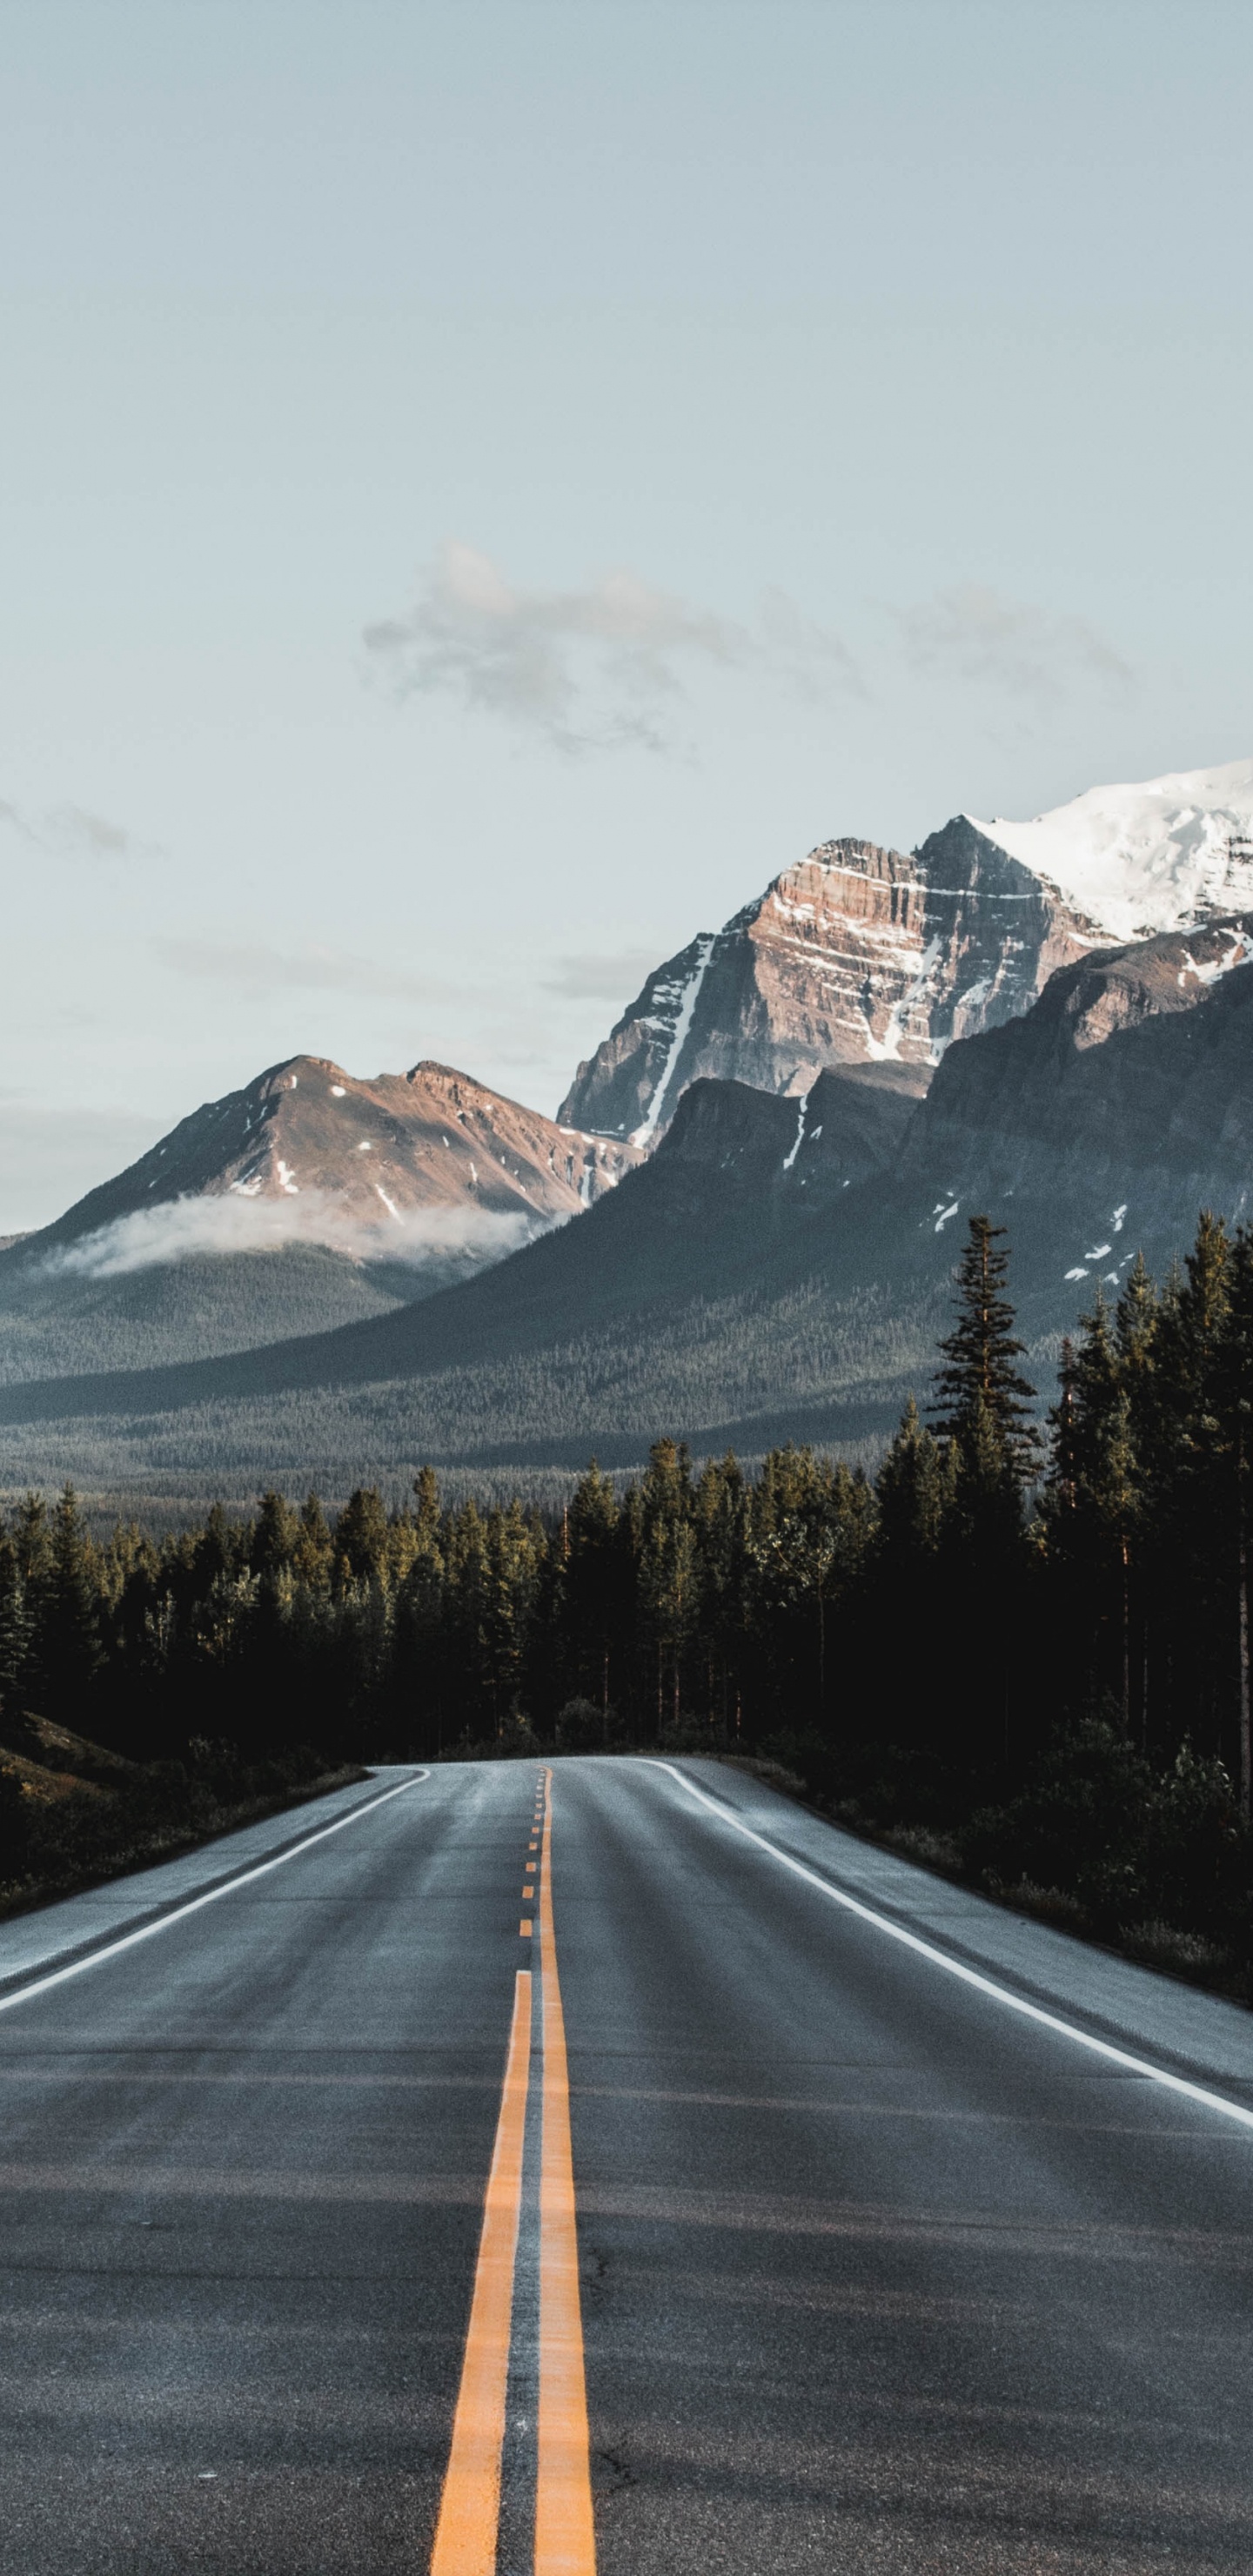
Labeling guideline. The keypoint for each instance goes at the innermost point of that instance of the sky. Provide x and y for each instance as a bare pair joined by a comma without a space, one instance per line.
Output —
484,487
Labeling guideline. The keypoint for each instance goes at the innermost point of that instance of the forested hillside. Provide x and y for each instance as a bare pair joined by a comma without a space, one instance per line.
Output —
1034,1656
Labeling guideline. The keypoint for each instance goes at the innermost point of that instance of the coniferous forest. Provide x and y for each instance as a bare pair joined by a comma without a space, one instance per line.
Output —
1020,1651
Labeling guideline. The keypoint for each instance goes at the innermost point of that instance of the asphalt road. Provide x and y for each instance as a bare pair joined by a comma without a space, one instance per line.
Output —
878,2273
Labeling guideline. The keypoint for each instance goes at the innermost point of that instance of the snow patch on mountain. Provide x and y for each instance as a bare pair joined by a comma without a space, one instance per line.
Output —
1143,858
644,1134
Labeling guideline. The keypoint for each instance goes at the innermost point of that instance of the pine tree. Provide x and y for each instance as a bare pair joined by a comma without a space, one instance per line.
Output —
67,1644
1233,1400
275,1536
666,1576
16,1639
361,1538
1192,1578
592,1598
981,1400
313,1554
913,1492
1093,1496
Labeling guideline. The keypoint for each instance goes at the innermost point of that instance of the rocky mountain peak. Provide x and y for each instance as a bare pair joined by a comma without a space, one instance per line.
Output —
858,954
362,1164
863,954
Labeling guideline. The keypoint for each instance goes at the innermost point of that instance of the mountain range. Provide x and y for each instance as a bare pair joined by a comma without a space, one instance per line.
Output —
770,1159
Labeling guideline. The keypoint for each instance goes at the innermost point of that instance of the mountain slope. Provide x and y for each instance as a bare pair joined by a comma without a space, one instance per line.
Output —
862,954
859,955
436,1141
306,1200
1117,1108
779,1268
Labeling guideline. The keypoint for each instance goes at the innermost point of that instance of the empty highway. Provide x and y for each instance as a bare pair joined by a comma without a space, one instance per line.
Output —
517,2168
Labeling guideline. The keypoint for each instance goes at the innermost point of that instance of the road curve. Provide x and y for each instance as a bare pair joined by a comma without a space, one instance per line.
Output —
882,2266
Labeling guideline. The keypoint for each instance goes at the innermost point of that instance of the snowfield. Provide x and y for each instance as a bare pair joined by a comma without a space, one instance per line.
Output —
1138,859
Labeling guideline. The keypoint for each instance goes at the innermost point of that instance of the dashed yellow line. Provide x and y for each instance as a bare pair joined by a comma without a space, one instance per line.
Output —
465,2538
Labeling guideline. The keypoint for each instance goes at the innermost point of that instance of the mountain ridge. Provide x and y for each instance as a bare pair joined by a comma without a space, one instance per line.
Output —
777,1268
860,952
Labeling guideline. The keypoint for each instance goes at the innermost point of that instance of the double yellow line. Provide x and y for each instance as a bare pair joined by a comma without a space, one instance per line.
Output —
465,2538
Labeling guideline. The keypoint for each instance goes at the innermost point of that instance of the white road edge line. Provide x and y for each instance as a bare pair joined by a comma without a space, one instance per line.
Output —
968,1976
148,1931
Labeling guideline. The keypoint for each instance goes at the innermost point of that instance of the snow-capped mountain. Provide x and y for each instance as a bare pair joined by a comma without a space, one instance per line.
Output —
864,955
1148,858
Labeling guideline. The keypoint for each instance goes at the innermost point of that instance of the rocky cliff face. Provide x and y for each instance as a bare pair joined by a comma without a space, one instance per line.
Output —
862,955
849,1126
358,1163
1122,1103
859,955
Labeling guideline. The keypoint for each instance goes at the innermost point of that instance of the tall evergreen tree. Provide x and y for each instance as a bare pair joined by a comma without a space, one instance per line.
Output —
981,1398
67,1643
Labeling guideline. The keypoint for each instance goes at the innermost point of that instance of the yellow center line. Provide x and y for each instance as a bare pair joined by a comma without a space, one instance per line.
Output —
465,2538
565,2542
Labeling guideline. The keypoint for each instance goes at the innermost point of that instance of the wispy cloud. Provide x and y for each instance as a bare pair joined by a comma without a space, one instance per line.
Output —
971,632
185,1227
313,970
74,832
593,669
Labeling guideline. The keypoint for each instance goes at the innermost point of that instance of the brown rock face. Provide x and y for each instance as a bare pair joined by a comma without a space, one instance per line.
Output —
350,1161
857,955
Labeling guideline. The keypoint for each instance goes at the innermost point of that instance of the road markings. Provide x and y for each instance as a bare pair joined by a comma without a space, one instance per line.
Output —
465,2538
149,1931
967,1976
469,2519
564,2538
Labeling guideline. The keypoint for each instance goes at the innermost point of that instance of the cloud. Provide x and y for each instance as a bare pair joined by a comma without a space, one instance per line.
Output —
803,653
973,633
601,979
326,970
74,832
185,1227
590,670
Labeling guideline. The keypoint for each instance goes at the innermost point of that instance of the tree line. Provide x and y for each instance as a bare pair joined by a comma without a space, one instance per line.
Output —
924,1639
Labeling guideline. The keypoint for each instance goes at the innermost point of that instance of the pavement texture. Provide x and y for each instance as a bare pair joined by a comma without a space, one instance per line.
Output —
878,2276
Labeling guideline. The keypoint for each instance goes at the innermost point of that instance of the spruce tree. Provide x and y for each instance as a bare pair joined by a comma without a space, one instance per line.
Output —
1092,1500
361,1539
913,1491
982,1402
275,1535
314,1550
1233,1403
68,1650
